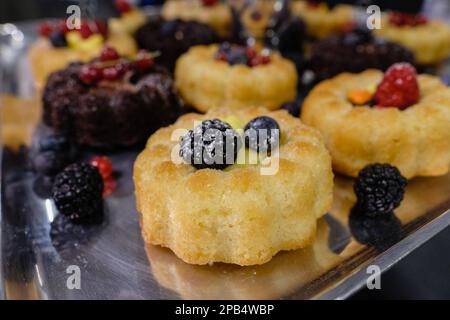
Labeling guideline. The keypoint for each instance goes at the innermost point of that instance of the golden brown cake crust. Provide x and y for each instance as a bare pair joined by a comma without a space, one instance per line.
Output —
206,83
217,16
235,215
430,42
416,140
323,22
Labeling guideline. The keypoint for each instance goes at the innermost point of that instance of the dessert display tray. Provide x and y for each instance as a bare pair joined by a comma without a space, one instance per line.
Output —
40,254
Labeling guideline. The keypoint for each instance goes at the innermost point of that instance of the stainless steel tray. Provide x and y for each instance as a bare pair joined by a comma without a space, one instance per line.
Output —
116,264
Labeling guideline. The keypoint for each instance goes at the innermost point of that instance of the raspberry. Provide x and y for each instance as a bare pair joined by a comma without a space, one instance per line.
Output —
77,192
399,87
103,165
379,189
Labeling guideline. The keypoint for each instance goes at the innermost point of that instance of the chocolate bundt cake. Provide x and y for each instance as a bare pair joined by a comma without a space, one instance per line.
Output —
355,51
105,109
173,38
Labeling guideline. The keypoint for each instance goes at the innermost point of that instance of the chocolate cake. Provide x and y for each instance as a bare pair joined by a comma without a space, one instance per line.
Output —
119,113
173,37
355,51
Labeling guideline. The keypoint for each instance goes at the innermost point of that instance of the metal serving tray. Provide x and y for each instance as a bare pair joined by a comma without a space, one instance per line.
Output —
38,249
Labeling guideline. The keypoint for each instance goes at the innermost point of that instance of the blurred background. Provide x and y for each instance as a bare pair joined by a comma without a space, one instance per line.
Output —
424,274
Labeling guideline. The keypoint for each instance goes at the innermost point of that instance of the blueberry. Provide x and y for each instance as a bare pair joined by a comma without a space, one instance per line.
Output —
262,134
293,108
213,144
225,47
58,39
168,27
54,143
49,162
52,153
237,56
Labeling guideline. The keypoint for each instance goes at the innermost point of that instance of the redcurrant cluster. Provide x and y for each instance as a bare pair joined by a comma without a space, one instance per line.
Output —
110,66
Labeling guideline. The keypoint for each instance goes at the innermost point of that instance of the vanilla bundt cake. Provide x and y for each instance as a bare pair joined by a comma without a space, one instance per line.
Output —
321,19
399,118
232,211
58,46
233,76
428,39
211,12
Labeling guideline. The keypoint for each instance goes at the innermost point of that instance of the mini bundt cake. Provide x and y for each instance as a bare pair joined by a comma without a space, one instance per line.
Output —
321,19
208,211
355,51
234,76
211,12
428,39
111,101
172,38
399,118
58,46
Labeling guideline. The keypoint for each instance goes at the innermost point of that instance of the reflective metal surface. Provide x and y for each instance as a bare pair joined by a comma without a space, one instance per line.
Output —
38,247
115,263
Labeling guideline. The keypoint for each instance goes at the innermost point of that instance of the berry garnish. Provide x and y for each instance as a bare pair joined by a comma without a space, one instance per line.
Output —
212,144
123,6
110,74
262,134
110,184
104,166
52,153
77,192
85,30
144,63
48,163
109,53
90,74
58,39
111,67
379,189
101,27
292,107
45,29
404,19
399,87
235,54
209,3
256,15
54,143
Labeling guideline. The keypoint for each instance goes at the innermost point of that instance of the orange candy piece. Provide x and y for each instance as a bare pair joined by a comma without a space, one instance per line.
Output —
359,97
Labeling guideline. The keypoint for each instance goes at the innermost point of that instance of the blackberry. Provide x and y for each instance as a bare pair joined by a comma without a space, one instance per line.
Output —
77,192
379,189
262,134
212,144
